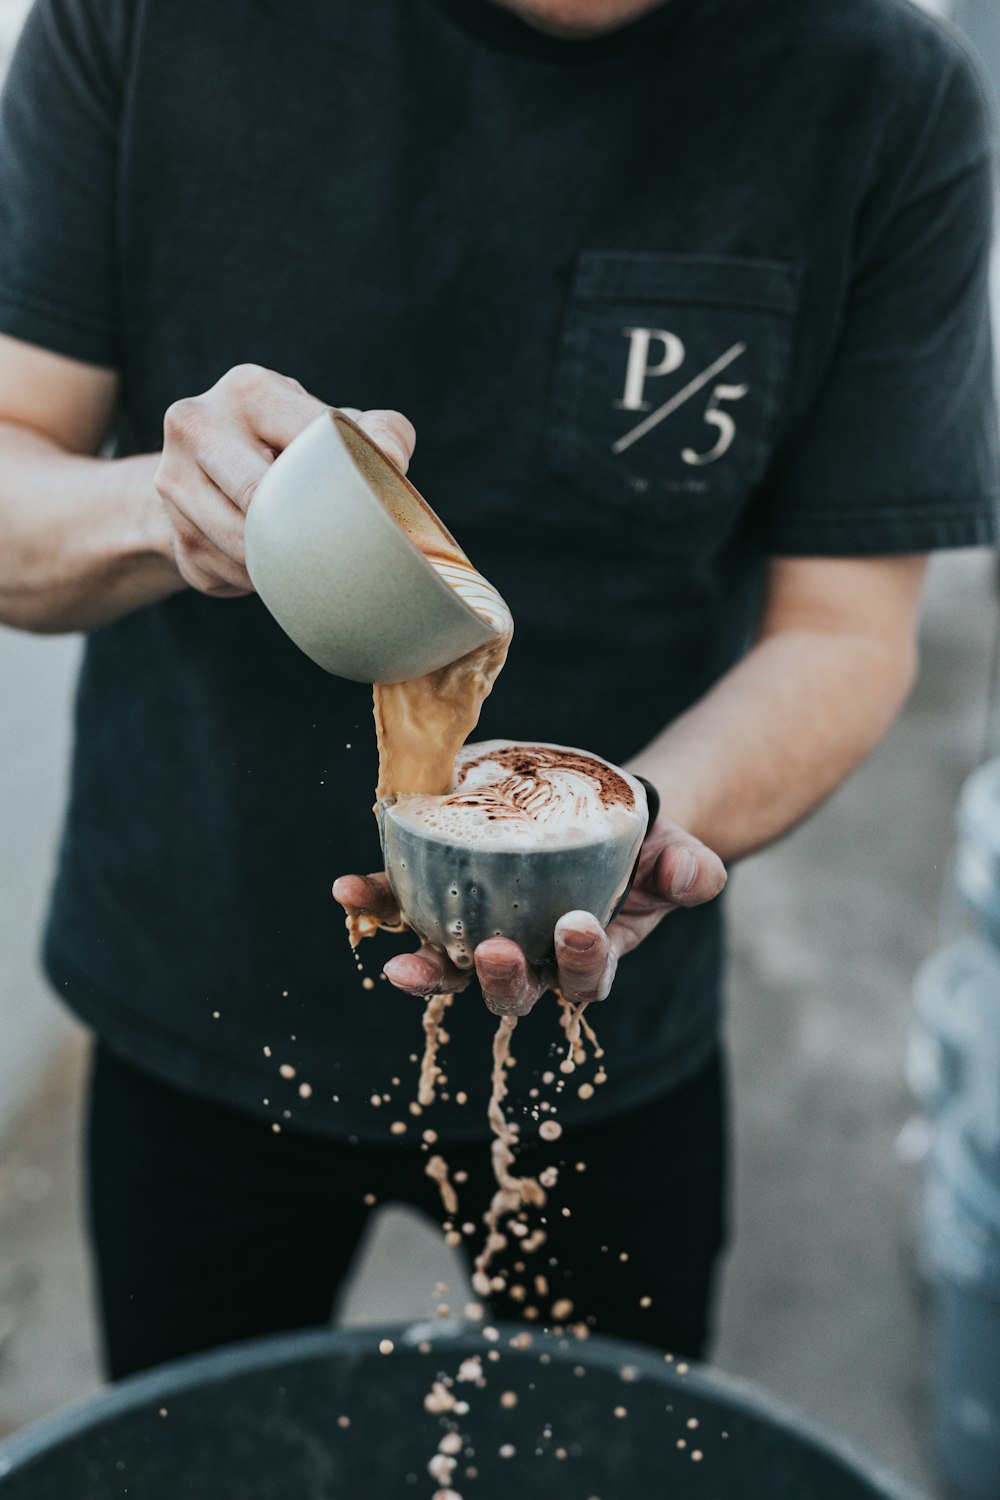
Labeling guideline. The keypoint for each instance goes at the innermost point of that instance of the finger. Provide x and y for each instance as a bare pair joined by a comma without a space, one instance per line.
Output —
426,972
586,963
204,566
366,896
687,873
204,520
275,408
510,986
206,580
393,433
235,463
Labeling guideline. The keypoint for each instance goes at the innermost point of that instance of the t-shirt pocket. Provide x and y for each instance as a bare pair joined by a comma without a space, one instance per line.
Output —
670,384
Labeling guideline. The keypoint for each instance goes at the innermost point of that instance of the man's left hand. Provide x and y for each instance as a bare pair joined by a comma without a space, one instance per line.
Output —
675,869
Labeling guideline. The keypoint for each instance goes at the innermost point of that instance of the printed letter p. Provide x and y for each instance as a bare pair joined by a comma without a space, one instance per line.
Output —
639,369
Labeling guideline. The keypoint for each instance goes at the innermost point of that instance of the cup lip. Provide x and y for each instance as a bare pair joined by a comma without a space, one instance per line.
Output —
450,551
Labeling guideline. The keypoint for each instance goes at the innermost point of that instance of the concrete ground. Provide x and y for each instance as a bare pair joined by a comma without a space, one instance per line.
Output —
820,1302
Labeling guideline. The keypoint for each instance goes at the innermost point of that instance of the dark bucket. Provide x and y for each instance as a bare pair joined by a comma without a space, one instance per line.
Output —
259,1421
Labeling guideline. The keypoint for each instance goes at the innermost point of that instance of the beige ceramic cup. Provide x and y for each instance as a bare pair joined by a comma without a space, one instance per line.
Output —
337,545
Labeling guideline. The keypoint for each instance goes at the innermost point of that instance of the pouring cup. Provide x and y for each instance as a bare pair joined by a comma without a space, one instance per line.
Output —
339,547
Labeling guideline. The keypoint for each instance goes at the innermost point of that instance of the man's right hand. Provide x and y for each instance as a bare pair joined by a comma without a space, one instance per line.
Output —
85,540
216,449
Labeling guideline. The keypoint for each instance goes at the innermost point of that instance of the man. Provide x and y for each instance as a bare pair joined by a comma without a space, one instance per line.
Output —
686,302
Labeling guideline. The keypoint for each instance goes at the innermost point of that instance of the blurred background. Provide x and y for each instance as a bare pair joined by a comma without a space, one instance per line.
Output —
822,1301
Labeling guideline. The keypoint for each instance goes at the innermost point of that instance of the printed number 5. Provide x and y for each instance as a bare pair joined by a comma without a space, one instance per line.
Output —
718,419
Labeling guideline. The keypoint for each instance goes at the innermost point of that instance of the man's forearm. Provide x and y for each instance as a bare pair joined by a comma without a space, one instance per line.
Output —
776,735
82,540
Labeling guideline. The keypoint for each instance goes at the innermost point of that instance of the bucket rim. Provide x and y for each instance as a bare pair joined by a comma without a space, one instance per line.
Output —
601,1352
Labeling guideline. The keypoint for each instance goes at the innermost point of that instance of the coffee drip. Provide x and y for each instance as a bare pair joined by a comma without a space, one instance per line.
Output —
421,725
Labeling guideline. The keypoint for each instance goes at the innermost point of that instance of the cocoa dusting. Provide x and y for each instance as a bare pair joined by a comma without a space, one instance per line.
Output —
528,765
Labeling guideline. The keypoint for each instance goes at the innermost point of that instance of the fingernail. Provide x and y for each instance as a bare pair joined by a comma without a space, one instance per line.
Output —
579,942
684,873
497,968
508,1007
429,974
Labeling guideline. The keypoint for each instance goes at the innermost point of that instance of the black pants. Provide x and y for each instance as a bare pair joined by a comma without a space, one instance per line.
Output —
210,1228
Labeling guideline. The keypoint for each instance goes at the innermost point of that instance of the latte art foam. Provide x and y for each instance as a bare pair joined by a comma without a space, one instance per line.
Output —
475,590
521,796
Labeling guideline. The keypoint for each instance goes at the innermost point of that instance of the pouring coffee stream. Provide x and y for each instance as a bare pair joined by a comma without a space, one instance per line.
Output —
421,724
334,530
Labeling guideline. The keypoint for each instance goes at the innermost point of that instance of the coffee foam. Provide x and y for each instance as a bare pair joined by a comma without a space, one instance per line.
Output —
474,590
507,795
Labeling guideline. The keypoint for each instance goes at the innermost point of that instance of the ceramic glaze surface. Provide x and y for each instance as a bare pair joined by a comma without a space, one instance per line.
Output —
335,545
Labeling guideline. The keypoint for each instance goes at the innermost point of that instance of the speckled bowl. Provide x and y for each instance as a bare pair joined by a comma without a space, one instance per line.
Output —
456,897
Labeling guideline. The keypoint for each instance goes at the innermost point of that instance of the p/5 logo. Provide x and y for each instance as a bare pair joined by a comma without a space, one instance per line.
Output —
640,369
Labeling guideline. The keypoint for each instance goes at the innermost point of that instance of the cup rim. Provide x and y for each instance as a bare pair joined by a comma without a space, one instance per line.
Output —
385,805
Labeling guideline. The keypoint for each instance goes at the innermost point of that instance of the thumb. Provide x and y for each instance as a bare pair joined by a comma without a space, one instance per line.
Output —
687,872
393,433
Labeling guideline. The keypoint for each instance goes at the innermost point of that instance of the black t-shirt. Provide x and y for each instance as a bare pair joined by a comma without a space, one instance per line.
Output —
660,305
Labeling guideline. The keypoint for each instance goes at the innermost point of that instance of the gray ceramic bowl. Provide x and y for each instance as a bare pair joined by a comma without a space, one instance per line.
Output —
455,896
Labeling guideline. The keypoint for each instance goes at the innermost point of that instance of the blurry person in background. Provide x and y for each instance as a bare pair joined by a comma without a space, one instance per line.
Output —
687,304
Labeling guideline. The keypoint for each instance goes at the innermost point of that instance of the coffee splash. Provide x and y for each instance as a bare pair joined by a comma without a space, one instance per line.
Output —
513,1193
421,725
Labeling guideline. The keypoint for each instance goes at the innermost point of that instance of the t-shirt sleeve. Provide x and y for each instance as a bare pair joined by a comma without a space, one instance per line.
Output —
897,451
59,149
